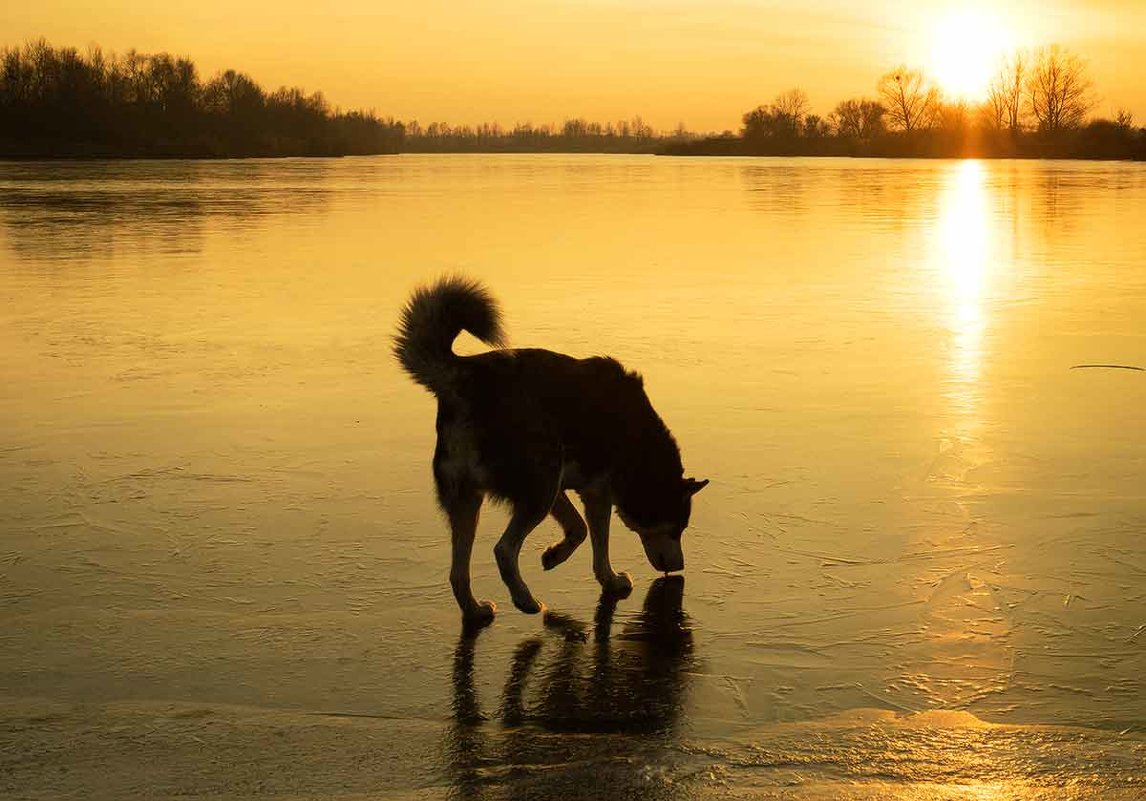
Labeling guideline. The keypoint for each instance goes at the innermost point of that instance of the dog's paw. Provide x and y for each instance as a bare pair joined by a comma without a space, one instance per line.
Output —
552,556
620,584
529,605
480,615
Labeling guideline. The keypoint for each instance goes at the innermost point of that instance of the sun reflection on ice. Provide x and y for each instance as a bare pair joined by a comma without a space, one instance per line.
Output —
965,246
963,251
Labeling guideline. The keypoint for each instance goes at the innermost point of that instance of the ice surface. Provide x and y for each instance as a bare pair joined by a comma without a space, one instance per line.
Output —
919,570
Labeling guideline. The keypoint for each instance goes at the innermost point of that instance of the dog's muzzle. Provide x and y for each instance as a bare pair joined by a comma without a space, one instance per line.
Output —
664,552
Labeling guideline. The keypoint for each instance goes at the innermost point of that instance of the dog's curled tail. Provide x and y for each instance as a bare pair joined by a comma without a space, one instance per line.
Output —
432,320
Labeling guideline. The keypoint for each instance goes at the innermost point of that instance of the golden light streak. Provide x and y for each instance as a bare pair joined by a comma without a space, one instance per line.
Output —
964,234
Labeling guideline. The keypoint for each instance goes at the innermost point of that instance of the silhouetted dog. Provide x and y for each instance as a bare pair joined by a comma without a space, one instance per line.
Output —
524,426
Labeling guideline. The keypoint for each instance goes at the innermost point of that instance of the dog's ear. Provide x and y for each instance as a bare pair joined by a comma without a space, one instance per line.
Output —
692,486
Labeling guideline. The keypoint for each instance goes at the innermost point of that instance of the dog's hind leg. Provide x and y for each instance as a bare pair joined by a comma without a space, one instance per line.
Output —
575,530
598,511
523,520
463,512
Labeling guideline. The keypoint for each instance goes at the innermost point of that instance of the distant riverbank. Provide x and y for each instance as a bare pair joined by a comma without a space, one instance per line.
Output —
1080,148
59,103
1100,140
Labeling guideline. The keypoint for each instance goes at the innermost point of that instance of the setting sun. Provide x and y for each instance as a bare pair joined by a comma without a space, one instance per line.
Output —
965,52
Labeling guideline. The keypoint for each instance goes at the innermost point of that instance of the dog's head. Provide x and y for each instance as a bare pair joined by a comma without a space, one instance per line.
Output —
660,519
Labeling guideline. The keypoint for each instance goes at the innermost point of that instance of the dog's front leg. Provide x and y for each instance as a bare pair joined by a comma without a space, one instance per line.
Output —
507,551
598,511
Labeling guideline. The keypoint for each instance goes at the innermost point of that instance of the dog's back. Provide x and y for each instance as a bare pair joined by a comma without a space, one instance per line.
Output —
533,408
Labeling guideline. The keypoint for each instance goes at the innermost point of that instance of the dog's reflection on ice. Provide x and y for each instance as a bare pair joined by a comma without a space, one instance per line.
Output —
628,686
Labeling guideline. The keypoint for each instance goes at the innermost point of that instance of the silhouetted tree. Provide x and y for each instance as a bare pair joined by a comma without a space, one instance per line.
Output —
1005,93
1059,91
791,105
777,124
758,124
641,130
1110,139
910,101
816,127
859,118
681,133
952,116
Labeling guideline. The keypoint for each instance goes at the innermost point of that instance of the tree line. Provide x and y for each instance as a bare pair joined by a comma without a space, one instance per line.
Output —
59,102
1038,104
573,135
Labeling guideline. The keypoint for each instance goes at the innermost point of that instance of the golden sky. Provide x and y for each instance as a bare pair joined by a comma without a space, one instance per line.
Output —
701,62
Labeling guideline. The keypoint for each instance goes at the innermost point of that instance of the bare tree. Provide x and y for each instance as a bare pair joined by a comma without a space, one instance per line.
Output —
952,116
816,127
1005,93
858,118
1059,91
910,101
792,104
233,93
783,119
682,133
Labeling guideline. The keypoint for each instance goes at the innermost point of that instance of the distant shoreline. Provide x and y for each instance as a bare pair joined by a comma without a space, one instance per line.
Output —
58,104
1028,148
1089,144
19,159
691,154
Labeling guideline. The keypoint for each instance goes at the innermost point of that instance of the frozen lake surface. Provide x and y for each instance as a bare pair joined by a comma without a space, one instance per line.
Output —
919,571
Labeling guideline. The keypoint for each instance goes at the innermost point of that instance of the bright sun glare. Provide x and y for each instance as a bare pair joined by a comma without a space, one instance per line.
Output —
966,50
